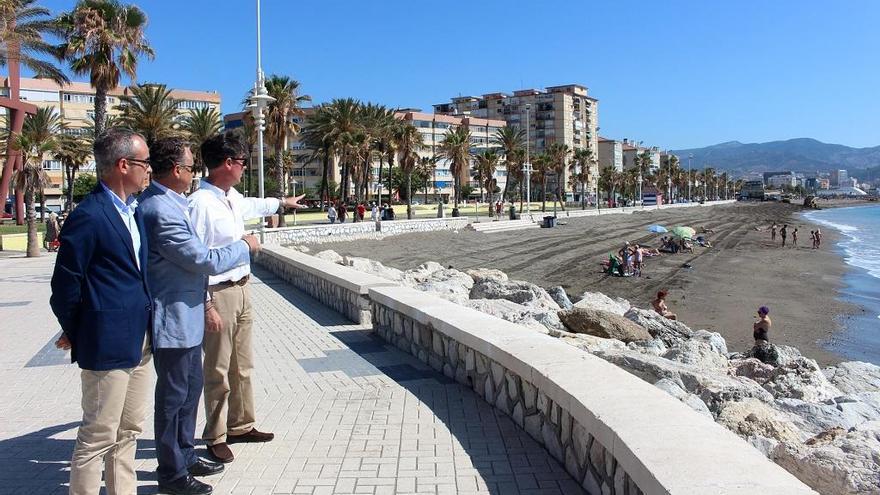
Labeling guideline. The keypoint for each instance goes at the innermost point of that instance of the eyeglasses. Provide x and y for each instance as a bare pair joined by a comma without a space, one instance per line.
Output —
243,161
188,168
141,162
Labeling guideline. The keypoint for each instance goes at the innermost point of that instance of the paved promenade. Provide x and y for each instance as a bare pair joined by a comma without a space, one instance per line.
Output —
350,414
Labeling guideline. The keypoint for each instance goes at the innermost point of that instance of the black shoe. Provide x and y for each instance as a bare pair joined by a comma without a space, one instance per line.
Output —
187,485
204,467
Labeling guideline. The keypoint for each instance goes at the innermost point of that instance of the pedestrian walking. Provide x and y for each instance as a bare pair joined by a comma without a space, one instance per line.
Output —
794,236
374,212
343,212
101,299
218,212
361,210
783,233
52,230
331,214
773,232
178,268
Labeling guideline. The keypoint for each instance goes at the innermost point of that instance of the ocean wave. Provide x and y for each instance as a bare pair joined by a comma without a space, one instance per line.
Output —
860,245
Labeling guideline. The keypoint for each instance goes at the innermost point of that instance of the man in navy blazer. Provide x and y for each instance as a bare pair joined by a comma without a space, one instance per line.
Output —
179,265
101,298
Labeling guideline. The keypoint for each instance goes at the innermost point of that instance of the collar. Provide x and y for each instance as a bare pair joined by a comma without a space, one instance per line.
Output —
127,206
178,198
220,193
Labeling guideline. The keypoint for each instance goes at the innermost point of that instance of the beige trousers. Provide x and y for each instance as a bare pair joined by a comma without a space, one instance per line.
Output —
115,405
228,365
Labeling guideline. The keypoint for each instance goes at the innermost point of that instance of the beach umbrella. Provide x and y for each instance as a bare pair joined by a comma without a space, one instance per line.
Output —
657,229
683,232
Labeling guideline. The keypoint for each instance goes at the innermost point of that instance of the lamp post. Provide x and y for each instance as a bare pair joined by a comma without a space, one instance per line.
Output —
690,157
527,167
257,102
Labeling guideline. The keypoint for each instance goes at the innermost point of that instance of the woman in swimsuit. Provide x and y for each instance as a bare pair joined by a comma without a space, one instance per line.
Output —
761,328
660,307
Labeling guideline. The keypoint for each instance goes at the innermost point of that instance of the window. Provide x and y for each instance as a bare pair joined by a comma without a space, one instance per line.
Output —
192,105
78,98
51,164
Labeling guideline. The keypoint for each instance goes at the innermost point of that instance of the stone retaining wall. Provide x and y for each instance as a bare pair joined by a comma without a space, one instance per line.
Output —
613,432
323,233
343,289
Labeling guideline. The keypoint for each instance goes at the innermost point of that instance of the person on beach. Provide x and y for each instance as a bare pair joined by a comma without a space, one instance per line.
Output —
818,238
331,214
761,328
639,256
773,232
794,234
625,255
813,239
783,233
660,307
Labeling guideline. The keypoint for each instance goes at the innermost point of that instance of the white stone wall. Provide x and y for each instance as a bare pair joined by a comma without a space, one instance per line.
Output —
339,232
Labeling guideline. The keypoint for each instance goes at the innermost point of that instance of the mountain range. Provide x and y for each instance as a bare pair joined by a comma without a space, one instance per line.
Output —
800,155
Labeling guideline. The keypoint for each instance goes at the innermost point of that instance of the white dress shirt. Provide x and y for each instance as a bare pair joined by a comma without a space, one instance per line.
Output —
126,212
218,219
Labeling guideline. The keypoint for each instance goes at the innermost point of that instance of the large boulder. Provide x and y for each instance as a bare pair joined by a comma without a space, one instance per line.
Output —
329,255
538,319
481,275
669,331
713,387
697,352
752,368
751,417
447,283
592,344
520,292
845,412
854,376
421,273
841,464
691,400
602,324
653,346
801,379
558,294
713,339
601,302
373,267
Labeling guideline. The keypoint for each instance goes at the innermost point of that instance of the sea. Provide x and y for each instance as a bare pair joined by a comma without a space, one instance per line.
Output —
859,245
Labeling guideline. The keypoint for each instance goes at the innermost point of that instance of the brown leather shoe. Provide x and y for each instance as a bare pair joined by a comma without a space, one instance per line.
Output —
221,452
252,436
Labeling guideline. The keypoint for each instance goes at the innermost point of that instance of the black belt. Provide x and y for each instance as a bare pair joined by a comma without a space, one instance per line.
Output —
230,283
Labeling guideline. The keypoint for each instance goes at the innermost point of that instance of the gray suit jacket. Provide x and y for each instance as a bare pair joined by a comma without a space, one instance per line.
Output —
178,268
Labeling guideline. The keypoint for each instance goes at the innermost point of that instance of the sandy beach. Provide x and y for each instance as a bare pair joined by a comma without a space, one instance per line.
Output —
720,291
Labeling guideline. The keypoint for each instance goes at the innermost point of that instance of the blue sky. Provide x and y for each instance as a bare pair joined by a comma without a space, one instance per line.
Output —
675,74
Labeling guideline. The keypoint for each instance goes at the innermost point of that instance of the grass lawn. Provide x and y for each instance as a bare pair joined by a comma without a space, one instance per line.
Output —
9,227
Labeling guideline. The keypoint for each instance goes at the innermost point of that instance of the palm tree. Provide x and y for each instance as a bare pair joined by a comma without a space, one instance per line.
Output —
672,168
73,152
150,110
609,180
38,137
23,27
510,140
199,125
427,167
409,142
579,171
456,147
104,39
559,153
282,119
486,163
41,127
541,165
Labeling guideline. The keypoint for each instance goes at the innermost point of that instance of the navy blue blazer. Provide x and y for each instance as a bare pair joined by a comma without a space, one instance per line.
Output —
99,295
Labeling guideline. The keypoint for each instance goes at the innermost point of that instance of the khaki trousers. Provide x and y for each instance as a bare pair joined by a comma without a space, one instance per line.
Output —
228,366
115,405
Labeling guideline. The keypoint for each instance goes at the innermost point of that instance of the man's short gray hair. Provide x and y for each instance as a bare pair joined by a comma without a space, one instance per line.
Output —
112,145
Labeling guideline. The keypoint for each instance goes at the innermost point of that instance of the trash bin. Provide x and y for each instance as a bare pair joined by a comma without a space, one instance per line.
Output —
512,213
549,221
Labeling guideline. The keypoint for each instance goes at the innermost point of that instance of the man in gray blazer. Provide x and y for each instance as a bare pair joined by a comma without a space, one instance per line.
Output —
177,274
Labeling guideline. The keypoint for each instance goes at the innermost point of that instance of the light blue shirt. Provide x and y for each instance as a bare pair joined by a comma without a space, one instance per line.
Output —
180,199
126,212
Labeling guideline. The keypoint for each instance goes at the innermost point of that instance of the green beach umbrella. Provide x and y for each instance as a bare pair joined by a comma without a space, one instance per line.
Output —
683,232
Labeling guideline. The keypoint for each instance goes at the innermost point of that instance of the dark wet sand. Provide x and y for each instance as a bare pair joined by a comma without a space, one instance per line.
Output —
720,292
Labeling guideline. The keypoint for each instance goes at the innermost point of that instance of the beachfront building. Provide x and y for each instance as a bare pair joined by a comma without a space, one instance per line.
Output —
75,103
559,114
610,154
306,171
840,178
781,180
632,150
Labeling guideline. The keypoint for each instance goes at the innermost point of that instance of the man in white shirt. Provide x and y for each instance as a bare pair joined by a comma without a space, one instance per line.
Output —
218,212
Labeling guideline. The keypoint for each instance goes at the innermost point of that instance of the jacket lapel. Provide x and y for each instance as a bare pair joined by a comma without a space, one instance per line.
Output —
116,221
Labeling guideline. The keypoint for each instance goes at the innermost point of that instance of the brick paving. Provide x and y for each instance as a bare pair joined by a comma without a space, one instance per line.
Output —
350,414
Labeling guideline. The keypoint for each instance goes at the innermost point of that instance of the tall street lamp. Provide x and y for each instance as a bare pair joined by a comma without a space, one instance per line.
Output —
527,167
257,102
690,157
